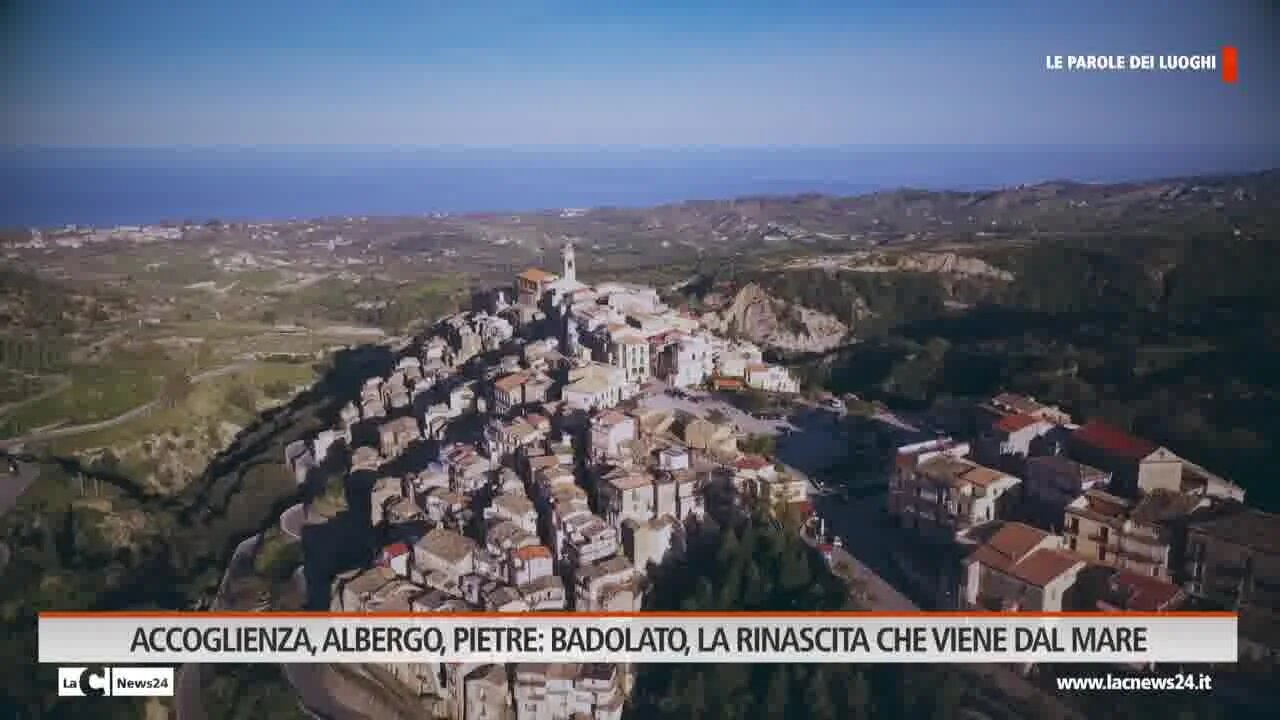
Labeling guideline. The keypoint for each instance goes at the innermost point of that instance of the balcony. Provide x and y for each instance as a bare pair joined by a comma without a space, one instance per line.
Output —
1139,556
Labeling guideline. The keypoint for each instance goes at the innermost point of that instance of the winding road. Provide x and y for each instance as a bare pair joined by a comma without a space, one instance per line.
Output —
125,417
60,383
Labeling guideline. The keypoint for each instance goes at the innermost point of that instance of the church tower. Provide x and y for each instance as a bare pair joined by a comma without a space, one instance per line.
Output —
570,264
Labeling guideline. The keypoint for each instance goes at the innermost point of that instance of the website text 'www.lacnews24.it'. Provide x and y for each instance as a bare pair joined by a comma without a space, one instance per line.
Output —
1176,682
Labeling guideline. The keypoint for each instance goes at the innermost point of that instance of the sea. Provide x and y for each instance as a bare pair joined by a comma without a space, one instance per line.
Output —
104,187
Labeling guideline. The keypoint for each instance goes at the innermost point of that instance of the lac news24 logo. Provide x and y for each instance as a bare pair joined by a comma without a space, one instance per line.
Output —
98,681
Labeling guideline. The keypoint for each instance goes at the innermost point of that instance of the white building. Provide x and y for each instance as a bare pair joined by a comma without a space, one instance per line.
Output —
612,585
770,378
733,359
630,353
594,387
609,431
692,362
444,551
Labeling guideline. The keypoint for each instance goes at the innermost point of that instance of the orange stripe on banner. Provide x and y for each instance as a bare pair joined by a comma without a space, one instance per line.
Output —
179,614
1230,64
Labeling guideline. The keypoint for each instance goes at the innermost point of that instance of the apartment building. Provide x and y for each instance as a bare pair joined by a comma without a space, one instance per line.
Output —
630,353
648,541
938,495
611,585
1233,556
1139,536
487,695
516,508
446,552
609,432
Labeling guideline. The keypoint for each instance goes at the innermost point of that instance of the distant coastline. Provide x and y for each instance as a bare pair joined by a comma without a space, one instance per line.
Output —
103,187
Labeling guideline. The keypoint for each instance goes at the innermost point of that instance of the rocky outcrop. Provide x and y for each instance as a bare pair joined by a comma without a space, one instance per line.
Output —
943,263
773,323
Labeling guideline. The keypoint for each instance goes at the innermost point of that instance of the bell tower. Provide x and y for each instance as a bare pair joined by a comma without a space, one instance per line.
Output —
570,263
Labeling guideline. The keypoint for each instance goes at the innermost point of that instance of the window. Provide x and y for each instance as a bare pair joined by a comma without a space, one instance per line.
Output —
1071,543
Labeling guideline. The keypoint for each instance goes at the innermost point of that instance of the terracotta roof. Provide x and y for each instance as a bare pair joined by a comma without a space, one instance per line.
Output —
1141,593
1044,566
1106,505
982,476
1114,440
529,552
511,382
1014,423
1008,545
395,549
537,275
953,470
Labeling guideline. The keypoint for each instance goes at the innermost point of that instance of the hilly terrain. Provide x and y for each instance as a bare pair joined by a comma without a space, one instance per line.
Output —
1153,305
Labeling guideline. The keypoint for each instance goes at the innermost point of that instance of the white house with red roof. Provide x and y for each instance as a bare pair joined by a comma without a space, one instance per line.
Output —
1020,568
1013,434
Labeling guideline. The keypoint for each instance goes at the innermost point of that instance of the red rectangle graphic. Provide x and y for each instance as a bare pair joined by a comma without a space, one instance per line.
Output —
1230,64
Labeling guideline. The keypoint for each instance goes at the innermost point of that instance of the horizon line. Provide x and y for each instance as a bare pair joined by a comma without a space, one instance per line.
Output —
6,147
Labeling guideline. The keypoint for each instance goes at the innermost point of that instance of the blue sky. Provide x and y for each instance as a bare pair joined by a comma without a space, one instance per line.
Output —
642,73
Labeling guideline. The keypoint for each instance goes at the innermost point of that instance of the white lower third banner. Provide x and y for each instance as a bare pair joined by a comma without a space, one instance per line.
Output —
68,638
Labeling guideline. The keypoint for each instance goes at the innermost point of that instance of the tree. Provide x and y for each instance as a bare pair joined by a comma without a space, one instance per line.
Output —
766,445
948,698
818,694
777,698
857,701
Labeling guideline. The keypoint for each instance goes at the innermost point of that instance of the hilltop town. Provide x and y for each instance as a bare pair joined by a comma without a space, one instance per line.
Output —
545,451
504,476
556,444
